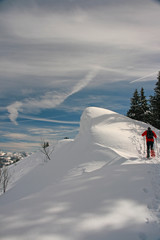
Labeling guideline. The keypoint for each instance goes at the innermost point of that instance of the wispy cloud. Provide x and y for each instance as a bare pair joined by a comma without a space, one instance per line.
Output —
54,132
49,100
19,136
51,50
13,110
87,79
21,146
49,120
145,78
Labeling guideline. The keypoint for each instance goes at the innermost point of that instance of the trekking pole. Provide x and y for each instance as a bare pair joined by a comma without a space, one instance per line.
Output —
144,145
157,148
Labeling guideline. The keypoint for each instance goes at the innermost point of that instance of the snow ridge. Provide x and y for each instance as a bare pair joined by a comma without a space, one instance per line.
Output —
97,186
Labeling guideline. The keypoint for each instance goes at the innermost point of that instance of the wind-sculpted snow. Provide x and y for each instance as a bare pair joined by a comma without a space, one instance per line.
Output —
98,186
108,130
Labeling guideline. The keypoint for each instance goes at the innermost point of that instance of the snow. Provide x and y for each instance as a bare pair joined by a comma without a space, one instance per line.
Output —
98,186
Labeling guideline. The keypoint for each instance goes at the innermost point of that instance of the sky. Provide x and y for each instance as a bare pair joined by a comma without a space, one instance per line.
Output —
58,57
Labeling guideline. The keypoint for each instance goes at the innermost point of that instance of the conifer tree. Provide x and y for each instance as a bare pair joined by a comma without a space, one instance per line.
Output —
155,105
144,108
134,111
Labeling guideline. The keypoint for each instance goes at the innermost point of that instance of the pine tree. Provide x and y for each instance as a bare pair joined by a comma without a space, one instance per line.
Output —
155,104
144,108
134,111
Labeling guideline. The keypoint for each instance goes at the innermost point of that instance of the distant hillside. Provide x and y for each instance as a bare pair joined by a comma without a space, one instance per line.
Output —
8,158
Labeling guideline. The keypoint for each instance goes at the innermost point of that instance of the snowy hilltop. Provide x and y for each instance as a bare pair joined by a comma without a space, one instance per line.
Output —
99,186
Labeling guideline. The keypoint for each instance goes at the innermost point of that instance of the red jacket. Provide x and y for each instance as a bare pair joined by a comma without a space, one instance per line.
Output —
151,139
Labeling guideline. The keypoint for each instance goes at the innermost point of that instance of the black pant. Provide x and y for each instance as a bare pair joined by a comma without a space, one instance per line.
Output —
149,146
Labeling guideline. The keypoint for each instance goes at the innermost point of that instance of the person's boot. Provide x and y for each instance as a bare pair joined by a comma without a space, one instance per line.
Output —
152,153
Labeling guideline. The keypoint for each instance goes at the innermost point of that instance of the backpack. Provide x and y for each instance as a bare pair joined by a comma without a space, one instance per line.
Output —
149,134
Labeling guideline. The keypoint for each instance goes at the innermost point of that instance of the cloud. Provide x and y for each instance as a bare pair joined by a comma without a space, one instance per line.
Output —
20,146
13,110
63,5
49,100
42,131
84,82
50,120
157,1
49,50
54,132
107,23
27,137
36,41
144,78
19,136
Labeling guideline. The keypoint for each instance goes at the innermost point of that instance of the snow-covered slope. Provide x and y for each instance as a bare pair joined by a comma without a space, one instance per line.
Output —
98,186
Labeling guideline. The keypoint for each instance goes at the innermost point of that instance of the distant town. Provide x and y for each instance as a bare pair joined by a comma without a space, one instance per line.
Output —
8,158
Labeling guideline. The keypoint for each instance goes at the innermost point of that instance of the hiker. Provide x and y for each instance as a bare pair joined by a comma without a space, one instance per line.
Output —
150,141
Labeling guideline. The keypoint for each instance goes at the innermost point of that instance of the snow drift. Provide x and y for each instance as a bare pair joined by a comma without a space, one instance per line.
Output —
98,186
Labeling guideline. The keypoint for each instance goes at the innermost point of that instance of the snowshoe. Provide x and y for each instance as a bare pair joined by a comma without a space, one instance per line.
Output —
152,153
